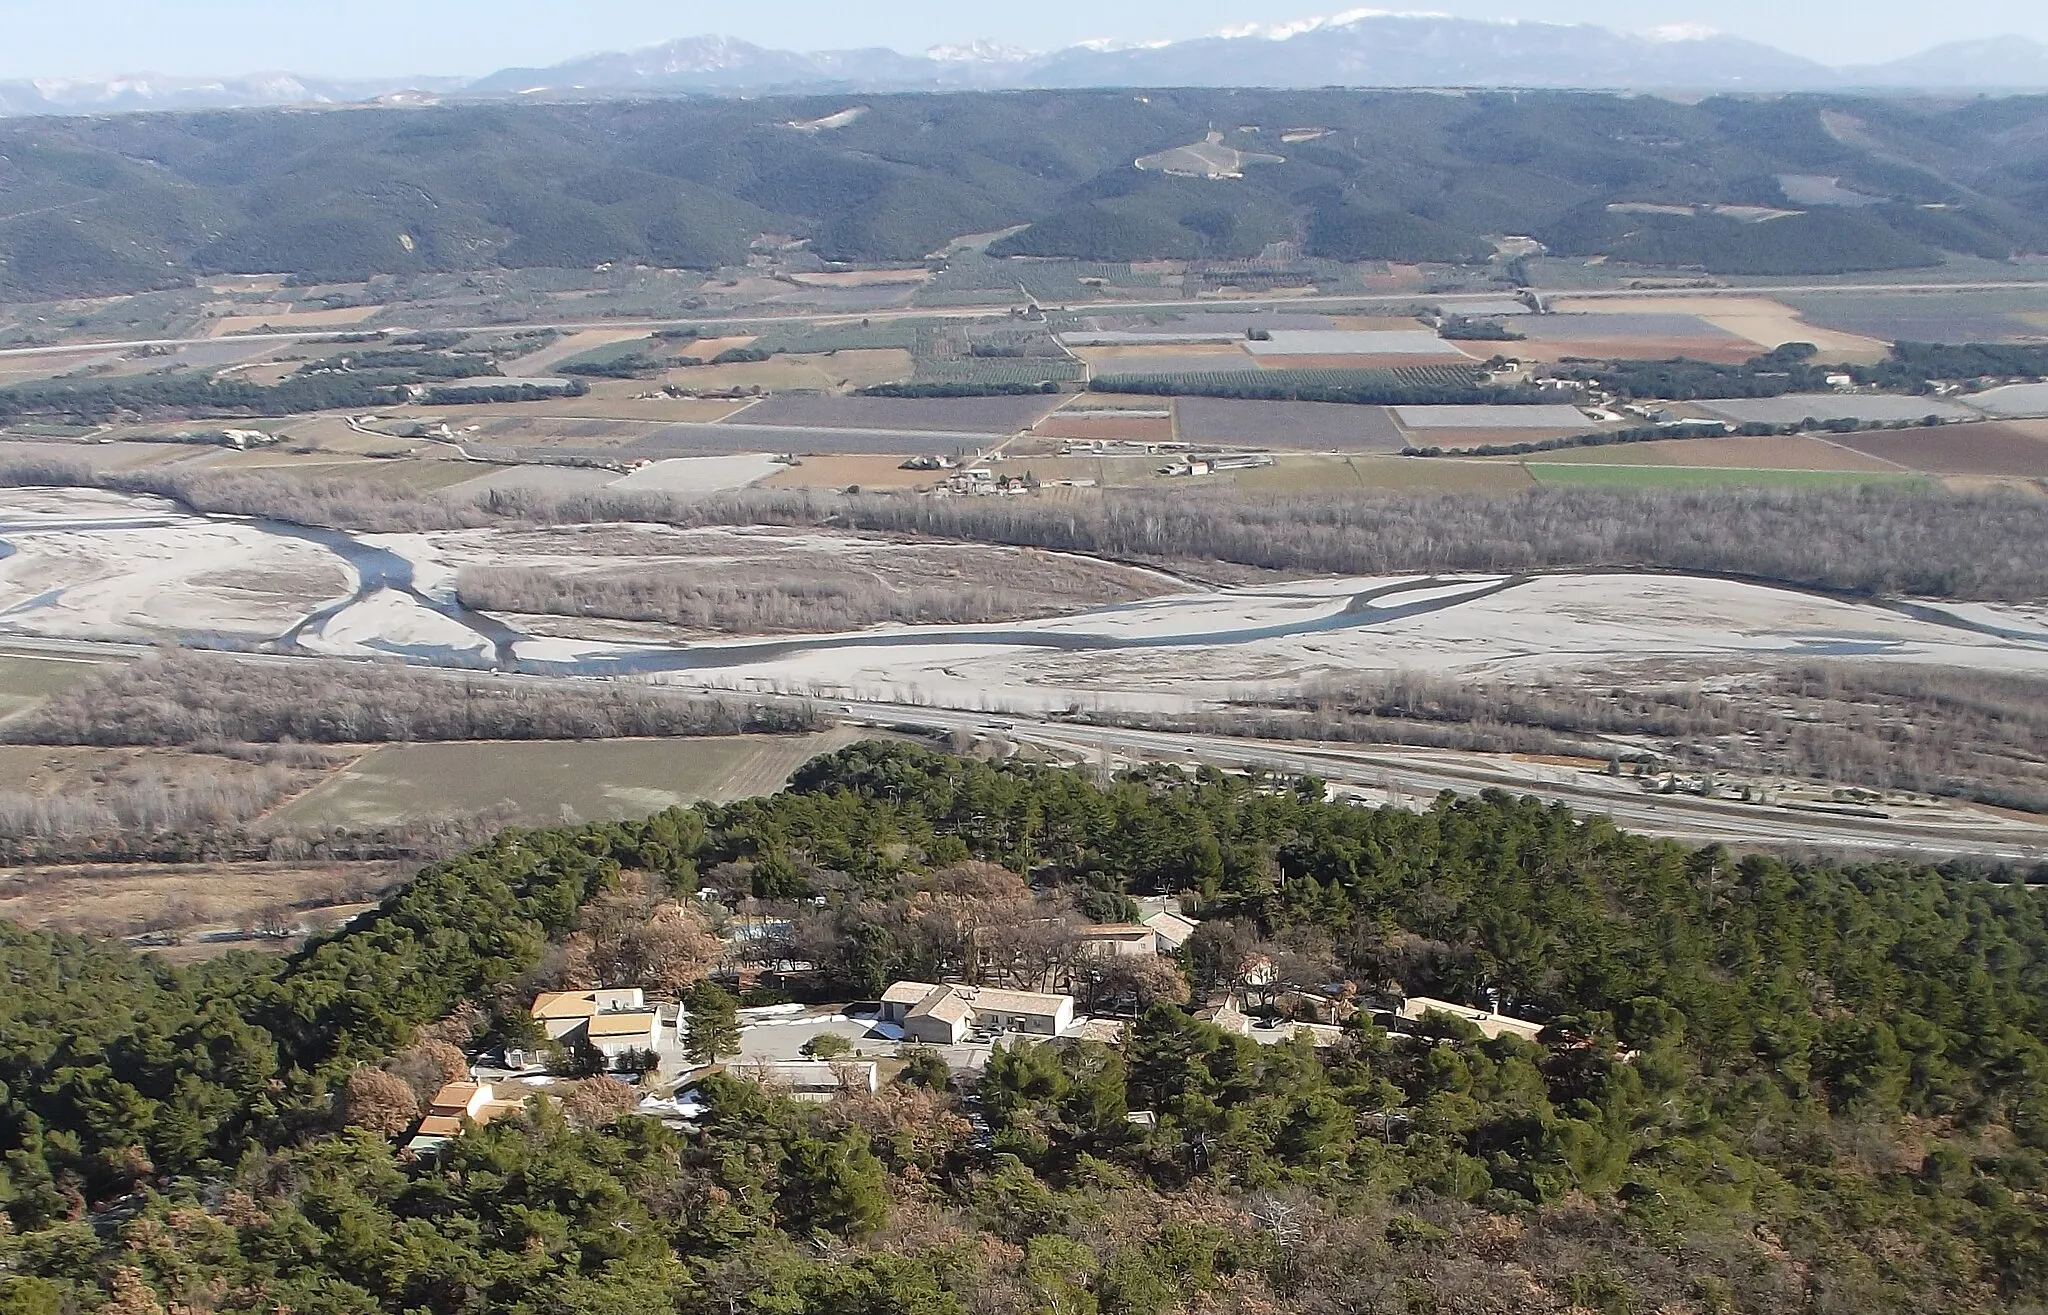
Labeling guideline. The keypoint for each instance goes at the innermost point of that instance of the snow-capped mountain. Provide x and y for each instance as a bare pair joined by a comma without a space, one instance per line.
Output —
1361,48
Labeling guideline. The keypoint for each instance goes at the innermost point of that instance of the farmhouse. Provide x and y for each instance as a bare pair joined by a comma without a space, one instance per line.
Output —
1118,940
613,1022
564,1013
1172,929
947,1015
475,1102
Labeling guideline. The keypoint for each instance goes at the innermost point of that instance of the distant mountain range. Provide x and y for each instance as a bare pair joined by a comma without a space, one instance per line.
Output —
1359,49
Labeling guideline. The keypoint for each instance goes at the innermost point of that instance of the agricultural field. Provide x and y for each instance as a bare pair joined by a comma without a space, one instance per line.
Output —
549,782
1591,475
1107,427
1961,315
1762,322
724,440
1491,417
1390,474
2014,401
699,474
2013,448
1866,408
954,415
1795,452
840,472
1322,426
26,681
998,371
1404,345
285,319
1623,332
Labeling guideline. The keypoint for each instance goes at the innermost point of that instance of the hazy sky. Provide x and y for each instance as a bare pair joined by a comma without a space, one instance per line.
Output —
55,38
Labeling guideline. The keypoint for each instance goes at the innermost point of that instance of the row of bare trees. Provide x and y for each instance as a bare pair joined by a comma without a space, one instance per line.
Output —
1877,539
198,698
767,600
192,796
1930,730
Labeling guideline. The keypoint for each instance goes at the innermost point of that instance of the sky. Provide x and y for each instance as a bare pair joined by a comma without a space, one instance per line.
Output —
380,38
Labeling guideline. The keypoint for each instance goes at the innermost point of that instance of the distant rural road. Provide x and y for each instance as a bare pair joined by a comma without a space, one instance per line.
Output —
1078,307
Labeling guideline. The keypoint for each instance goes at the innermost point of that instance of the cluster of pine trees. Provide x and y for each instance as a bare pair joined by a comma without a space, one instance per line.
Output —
1762,1085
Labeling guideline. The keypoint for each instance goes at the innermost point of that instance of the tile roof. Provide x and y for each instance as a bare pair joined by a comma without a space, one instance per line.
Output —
945,1004
907,993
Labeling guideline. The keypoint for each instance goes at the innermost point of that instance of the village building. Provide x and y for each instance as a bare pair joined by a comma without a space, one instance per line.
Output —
452,1105
1172,930
614,1022
948,1015
1118,940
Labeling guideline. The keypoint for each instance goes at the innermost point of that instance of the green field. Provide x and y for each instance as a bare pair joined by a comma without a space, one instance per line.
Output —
1588,475
552,782
27,681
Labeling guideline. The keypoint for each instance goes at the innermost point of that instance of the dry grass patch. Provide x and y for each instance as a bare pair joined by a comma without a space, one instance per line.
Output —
1799,452
291,321
1761,320
174,903
548,783
877,472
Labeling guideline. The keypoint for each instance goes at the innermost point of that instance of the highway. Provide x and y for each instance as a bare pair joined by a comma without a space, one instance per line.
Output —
738,321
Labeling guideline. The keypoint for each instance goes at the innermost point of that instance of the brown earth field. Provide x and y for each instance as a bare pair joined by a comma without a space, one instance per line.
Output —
562,431
960,415
838,472
618,399
1798,452
821,371
294,321
99,456
1389,474
1720,351
1325,426
1372,360
1107,428
1989,449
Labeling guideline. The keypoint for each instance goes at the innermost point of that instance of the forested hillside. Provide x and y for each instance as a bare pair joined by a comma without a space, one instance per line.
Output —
94,206
1764,1086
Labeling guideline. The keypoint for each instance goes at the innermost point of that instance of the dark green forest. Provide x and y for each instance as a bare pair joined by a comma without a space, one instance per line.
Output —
1764,1085
120,204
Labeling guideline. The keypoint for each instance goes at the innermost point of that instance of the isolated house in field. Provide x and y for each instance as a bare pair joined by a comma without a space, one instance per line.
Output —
948,1015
